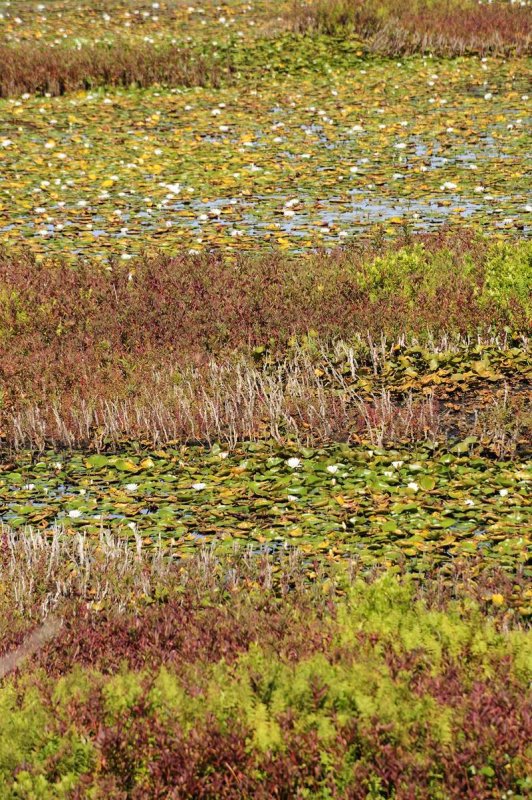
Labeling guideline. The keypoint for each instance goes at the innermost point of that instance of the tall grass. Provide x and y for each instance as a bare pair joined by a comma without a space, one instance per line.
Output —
228,403
441,27
239,400
41,69
43,573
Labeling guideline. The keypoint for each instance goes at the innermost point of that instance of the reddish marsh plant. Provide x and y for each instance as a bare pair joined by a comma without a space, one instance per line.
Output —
441,27
41,69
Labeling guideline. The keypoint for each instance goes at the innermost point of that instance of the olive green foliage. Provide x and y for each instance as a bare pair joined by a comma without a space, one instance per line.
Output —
29,742
505,276
509,275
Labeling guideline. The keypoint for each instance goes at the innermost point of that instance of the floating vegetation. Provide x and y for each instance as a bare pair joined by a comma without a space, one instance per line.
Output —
381,506
60,22
290,161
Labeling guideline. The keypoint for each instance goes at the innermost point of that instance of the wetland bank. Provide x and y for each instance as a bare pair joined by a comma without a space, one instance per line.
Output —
265,420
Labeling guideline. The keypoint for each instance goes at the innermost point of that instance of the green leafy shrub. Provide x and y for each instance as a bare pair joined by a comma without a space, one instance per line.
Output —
509,275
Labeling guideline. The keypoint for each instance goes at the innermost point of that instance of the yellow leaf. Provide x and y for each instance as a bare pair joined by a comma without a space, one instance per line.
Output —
296,532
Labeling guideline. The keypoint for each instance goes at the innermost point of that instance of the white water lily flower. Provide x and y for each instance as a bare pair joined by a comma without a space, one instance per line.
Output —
469,502
397,464
503,492
74,513
388,474
333,468
199,486
292,497
414,486
448,185
29,487
132,487
7,142
225,454
294,463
